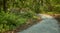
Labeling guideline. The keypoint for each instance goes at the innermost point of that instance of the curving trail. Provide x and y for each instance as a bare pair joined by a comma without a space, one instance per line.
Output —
47,25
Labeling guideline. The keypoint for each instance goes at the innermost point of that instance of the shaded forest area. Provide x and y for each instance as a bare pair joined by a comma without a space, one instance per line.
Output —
14,13
37,6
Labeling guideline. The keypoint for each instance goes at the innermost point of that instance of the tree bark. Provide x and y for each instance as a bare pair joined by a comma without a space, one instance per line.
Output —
4,5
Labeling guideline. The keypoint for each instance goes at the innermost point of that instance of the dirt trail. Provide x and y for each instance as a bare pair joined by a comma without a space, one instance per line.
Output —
47,25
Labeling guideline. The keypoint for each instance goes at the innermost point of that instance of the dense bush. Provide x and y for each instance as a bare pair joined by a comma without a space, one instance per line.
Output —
9,21
21,10
27,14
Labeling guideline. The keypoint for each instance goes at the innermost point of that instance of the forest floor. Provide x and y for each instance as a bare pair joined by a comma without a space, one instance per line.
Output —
29,24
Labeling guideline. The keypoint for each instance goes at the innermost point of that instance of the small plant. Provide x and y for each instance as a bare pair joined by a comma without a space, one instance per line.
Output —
27,14
9,21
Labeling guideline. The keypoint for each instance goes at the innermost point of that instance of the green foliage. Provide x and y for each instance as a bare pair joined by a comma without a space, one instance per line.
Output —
37,6
27,14
23,10
9,21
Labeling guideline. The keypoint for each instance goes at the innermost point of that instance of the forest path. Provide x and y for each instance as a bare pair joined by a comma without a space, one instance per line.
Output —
47,25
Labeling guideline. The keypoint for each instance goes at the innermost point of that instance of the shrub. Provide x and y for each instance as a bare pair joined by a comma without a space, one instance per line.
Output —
9,21
27,14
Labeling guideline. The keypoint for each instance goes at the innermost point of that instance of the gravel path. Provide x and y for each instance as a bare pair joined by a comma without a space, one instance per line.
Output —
47,25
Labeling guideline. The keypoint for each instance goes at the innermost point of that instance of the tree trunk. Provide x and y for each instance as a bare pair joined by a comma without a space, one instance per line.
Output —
4,5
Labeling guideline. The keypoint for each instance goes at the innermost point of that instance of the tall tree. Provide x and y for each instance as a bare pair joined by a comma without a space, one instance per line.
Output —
1,2
5,5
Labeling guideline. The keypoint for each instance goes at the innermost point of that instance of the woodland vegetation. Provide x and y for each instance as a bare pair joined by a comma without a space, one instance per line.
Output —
14,13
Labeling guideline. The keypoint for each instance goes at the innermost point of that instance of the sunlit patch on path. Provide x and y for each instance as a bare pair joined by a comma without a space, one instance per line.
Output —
47,25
